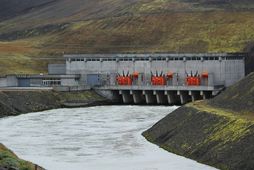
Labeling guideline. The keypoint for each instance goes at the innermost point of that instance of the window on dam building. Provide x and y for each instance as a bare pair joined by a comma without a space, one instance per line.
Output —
51,82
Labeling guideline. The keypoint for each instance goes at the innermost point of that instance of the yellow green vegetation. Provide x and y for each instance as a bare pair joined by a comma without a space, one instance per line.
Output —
229,132
205,106
218,31
24,56
110,26
10,160
233,126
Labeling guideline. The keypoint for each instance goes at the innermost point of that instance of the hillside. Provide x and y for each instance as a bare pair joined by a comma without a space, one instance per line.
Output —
36,32
218,132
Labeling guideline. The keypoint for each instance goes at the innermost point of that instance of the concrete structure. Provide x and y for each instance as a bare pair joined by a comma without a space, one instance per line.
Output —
56,69
8,81
47,80
101,70
157,94
224,69
40,81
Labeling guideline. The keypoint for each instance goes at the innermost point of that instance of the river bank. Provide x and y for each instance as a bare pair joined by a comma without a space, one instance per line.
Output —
93,138
10,161
218,132
13,103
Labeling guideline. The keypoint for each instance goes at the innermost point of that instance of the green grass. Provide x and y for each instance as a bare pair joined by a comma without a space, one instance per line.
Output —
10,160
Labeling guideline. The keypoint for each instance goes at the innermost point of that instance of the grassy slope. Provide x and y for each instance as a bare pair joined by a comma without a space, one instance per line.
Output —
122,26
239,97
9,160
218,132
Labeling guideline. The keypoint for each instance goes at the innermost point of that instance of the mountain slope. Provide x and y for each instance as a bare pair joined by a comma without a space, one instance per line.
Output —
12,8
35,32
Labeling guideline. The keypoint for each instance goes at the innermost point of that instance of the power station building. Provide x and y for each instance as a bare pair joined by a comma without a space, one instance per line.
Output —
224,69
157,78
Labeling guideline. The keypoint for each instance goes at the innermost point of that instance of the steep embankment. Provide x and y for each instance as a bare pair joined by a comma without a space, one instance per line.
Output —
219,132
35,32
18,102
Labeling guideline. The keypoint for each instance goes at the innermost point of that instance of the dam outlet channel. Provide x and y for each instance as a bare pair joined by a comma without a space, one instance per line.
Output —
95,138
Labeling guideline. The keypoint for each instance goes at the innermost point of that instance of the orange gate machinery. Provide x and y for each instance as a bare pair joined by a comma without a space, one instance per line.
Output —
126,79
158,80
195,80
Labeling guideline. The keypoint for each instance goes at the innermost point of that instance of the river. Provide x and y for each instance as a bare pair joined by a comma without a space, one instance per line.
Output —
95,138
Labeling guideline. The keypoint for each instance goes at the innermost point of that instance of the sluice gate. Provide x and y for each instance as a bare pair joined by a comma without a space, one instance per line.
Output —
157,95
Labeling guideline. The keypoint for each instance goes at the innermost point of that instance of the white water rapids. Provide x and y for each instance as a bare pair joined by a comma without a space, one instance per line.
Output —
95,138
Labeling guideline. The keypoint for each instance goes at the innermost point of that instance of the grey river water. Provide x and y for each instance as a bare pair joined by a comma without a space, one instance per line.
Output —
95,138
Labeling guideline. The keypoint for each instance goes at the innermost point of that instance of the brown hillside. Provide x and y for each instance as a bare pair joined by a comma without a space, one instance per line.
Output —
39,33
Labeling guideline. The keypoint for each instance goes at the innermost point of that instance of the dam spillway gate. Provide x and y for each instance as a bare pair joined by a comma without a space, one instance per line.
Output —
163,95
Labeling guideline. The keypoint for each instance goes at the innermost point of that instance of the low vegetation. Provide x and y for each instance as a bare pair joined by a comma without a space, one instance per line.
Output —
32,38
8,160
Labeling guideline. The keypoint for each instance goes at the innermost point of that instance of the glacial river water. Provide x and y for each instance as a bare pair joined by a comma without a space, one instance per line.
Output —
96,138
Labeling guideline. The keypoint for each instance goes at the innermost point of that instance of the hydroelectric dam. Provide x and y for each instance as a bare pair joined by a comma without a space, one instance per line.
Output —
157,78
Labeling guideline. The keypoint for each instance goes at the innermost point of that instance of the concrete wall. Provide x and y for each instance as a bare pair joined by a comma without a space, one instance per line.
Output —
69,82
3,82
224,71
35,82
56,69
71,88
8,81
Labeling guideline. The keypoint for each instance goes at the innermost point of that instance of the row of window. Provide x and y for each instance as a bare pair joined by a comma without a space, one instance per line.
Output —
156,59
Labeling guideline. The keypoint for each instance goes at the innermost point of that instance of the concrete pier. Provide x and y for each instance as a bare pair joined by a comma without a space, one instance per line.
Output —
126,96
150,97
138,97
161,98
195,95
172,97
184,96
